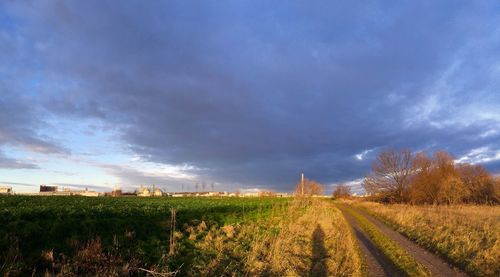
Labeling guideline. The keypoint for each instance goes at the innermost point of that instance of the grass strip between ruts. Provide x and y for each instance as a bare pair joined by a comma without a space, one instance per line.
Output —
400,257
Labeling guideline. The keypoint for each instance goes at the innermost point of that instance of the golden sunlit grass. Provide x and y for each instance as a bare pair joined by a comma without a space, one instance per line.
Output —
314,240
302,239
467,235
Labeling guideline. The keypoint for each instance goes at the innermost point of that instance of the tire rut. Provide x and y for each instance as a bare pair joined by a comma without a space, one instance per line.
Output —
379,265
435,264
376,263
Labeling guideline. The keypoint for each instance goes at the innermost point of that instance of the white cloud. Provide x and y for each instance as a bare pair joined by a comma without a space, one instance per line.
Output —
355,184
480,155
489,133
361,156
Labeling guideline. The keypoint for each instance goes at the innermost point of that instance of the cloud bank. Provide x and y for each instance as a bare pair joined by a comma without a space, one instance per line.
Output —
252,93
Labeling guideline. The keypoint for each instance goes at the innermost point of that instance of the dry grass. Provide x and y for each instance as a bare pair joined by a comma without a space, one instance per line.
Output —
469,236
313,239
92,259
306,238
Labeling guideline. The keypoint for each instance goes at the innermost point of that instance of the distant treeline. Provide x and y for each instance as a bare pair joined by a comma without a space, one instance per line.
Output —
405,177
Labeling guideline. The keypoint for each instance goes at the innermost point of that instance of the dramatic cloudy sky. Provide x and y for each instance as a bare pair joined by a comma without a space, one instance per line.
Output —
241,94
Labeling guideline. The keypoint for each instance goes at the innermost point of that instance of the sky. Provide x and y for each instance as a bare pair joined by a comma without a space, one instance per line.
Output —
228,95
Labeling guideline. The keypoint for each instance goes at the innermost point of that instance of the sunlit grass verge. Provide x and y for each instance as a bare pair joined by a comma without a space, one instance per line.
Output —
397,255
467,235
308,238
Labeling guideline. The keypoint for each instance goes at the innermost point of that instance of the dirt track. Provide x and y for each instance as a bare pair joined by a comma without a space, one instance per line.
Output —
378,265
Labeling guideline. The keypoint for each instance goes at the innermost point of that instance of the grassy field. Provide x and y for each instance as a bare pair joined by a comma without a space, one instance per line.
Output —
51,232
468,236
307,238
71,236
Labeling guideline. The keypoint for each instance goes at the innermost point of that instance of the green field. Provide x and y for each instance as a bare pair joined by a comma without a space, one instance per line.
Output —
55,233
269,236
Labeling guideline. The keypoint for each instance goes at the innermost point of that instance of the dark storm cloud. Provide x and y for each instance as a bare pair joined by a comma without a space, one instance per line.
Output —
254,92
19,122
20,114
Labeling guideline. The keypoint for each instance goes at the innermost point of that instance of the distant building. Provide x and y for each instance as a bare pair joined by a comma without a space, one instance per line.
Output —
5,190
147,192
44,188
252,193
116,192
249,194
266,193
143,191
189,194
86,192
54,191
158,192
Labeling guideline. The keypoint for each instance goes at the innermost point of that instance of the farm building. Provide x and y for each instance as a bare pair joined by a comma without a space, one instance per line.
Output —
44,188
157,192
5,190
143,191
85,192
146,192
202,194
54,191
116,192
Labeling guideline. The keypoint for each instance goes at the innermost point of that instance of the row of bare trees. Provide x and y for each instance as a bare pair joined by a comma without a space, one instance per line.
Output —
401,176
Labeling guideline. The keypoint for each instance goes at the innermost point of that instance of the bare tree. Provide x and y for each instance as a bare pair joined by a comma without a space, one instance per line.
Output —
425,186
391,173
451,190
445,175
478,183
496,191
342,191
311,187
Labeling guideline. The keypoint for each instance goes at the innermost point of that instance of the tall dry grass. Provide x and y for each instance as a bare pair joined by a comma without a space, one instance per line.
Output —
468,235
306,238
312,239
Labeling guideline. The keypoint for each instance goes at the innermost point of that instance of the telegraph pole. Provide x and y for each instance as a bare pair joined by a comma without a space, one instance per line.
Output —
302,183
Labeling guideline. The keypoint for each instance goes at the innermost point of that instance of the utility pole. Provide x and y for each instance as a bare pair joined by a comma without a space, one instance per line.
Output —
302,183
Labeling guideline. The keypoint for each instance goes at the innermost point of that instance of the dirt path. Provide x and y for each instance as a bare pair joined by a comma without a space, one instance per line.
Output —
436,265
376,264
